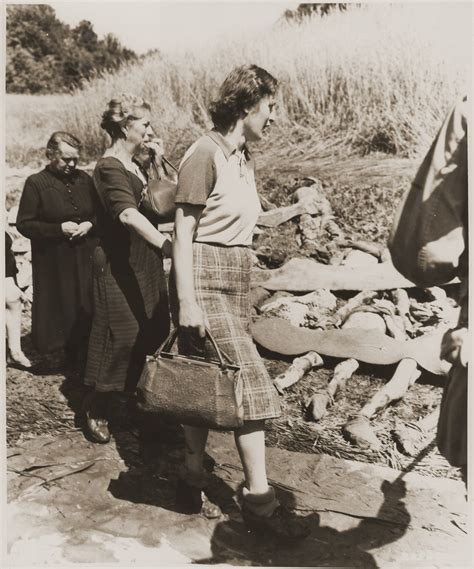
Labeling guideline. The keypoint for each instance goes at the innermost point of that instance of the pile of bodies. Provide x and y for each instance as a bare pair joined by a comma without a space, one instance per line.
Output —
331,290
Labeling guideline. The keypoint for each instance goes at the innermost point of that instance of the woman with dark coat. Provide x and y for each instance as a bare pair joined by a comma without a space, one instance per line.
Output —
131,313
57,213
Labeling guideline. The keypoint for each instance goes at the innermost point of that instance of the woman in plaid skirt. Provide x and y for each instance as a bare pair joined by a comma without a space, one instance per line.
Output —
217,209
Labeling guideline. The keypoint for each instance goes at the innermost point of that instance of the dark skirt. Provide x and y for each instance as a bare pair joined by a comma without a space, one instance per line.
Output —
62,293
222,286
131,317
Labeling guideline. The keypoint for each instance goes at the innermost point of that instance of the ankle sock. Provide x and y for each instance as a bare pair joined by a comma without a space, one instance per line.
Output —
263,504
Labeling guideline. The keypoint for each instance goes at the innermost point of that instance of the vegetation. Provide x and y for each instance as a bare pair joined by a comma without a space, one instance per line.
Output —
44,55
372,78
304,11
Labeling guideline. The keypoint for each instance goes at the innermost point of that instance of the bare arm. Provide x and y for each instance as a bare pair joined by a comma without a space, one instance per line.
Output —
134,220
190,314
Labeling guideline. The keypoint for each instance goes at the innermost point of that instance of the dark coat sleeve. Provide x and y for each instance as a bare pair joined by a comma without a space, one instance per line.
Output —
428,241
27,221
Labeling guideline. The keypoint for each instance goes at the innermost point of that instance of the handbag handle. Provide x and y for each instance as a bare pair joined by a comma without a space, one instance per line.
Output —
171,339
163,163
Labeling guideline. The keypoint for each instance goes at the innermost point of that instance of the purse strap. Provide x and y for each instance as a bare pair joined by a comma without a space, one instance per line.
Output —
164,162
221,354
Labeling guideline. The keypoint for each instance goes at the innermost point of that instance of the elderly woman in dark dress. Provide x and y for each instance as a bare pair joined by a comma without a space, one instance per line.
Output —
57,213
131,313
217,209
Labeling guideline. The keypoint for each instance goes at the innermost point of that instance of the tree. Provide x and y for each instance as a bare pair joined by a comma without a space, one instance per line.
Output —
44,55
305,11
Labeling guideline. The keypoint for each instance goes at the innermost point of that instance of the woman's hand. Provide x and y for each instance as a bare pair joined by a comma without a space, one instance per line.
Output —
82,230
157,148
69,228
191,316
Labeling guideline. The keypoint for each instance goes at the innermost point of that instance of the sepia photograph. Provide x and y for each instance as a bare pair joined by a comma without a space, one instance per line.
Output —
269,368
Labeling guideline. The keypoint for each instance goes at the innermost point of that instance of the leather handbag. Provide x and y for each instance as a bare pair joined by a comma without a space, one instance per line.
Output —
192,390
159,194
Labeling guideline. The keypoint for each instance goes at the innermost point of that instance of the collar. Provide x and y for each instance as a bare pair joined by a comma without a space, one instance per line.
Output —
62,177
227,149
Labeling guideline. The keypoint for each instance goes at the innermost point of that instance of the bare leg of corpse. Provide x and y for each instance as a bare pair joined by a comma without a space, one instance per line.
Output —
13,309
358,430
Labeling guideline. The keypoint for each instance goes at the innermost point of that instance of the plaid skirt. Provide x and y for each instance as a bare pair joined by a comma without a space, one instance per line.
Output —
131,317
222,286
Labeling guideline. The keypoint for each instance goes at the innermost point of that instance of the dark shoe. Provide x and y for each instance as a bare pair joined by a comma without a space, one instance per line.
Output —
96,424
193,500
281,523
97,429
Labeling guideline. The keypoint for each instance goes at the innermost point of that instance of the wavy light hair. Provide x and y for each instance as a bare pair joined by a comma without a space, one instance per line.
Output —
120,111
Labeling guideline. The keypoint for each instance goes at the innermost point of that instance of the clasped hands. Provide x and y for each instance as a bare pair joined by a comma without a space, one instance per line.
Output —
73,230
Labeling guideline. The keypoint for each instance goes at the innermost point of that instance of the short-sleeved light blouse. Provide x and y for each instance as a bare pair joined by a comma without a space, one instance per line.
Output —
220,178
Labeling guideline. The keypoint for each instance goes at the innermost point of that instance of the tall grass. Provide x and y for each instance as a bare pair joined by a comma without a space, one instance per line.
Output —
377,78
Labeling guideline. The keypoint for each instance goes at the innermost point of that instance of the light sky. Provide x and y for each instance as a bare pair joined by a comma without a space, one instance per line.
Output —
158,24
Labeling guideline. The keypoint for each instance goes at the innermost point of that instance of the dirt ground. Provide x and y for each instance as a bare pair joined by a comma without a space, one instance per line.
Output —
71,501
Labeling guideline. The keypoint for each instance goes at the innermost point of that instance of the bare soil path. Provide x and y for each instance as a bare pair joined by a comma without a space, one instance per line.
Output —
73,501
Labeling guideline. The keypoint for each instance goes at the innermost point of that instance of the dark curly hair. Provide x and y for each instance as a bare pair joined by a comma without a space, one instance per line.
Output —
242,89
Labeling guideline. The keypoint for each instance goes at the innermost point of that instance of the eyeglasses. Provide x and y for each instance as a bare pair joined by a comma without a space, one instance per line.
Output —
69,160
